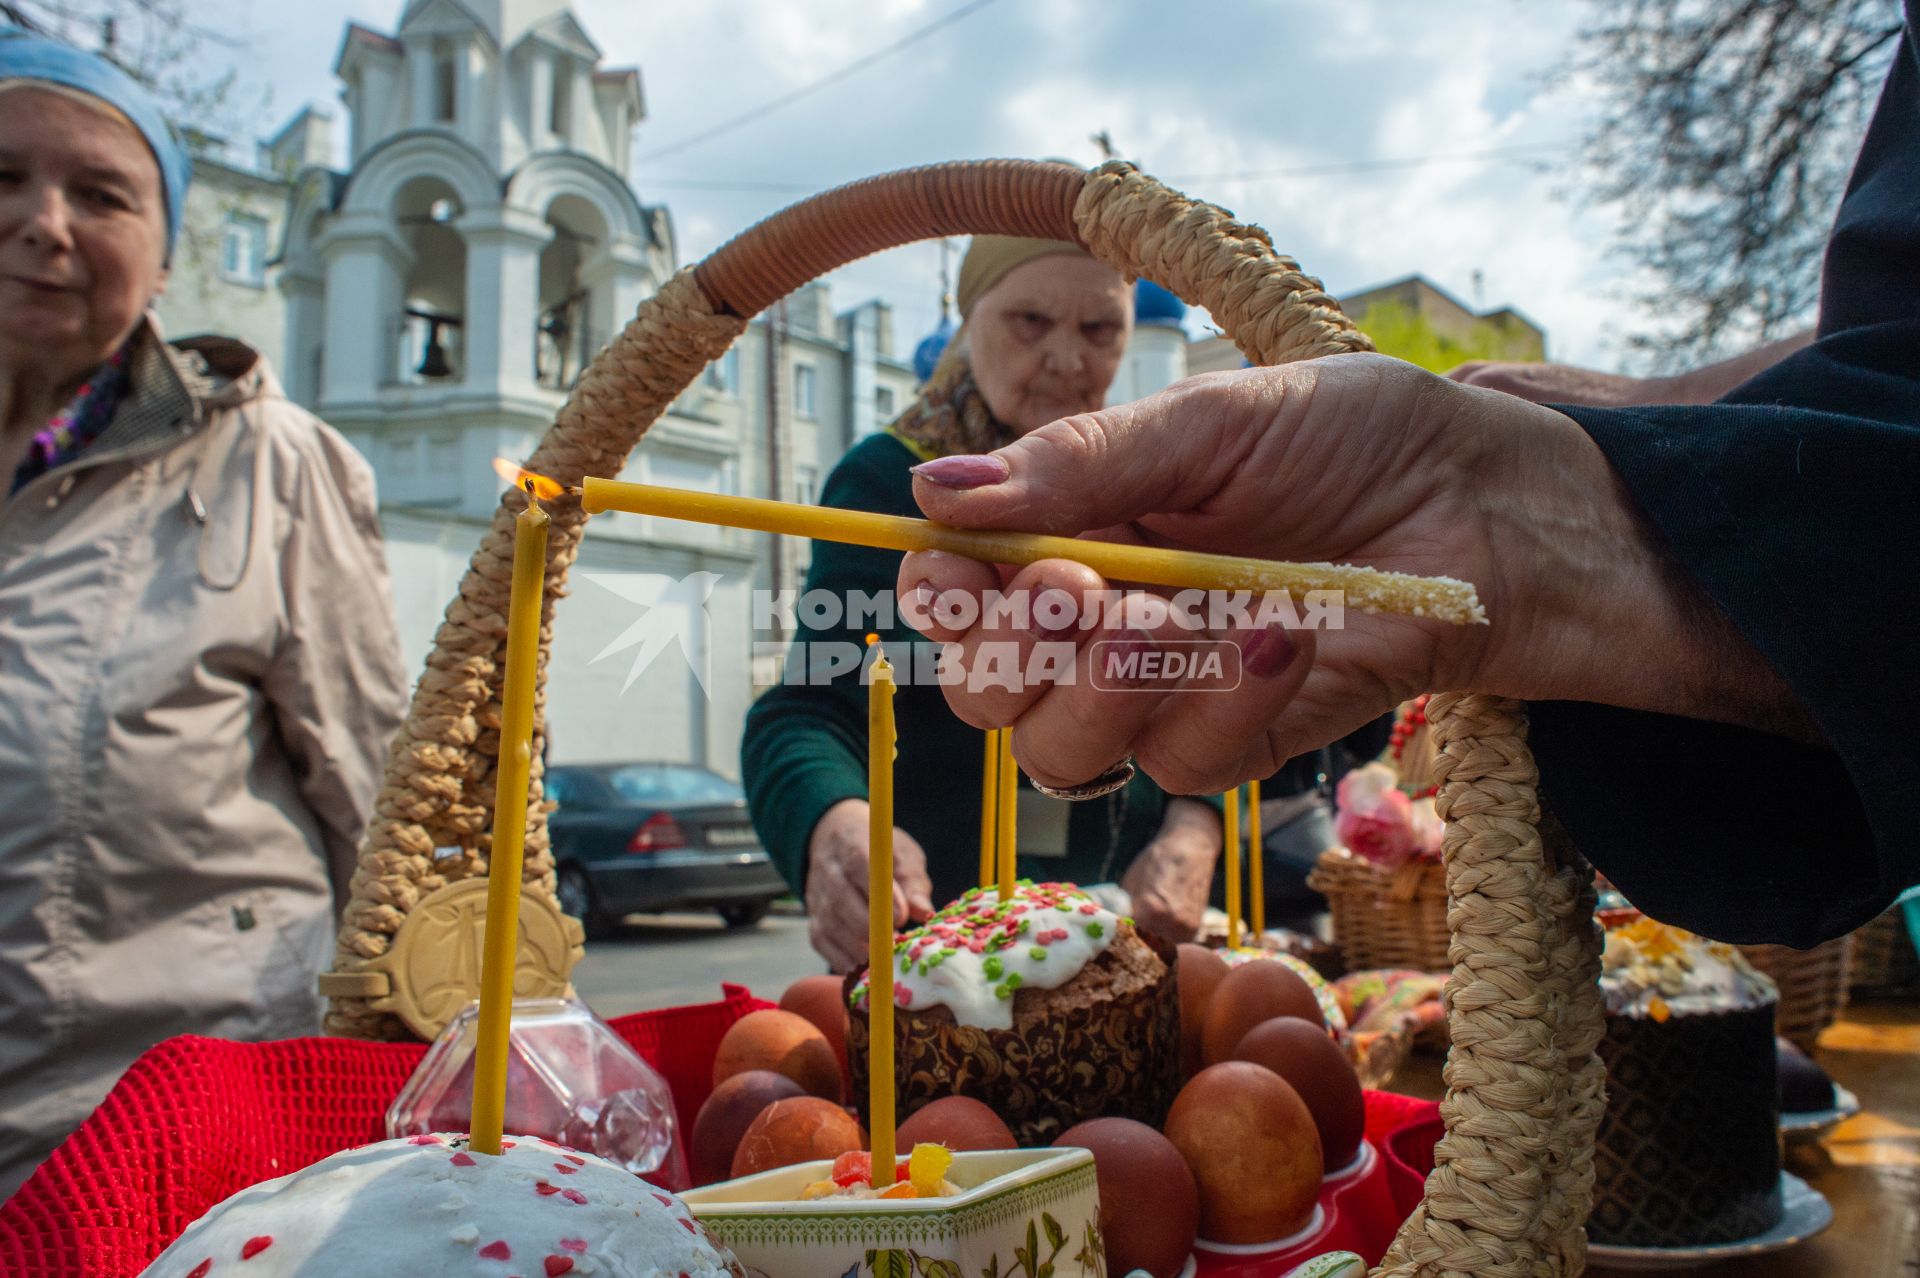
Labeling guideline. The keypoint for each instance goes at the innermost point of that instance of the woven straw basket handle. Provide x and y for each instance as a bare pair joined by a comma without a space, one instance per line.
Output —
1512,1184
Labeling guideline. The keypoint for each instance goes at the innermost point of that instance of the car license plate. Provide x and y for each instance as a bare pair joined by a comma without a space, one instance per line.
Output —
731,836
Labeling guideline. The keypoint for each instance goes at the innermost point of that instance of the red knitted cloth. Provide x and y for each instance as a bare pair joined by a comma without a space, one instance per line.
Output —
197,1119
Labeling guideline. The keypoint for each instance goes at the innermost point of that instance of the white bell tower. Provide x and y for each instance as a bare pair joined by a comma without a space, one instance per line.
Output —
445,291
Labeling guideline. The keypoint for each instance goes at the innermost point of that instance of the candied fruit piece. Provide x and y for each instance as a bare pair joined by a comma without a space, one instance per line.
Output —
927,1168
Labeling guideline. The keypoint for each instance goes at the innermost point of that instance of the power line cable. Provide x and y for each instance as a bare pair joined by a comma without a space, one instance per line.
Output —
1335,168
1380,165
834,77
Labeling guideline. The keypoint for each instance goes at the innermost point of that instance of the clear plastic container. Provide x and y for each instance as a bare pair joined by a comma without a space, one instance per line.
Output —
570,1078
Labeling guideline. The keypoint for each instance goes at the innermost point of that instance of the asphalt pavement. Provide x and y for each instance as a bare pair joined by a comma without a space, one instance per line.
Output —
667,960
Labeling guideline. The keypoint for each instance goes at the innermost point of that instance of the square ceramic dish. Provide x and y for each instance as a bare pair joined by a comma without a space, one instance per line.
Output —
1018,1212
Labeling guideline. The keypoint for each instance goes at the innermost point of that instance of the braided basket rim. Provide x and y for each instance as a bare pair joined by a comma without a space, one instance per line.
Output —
1509,1194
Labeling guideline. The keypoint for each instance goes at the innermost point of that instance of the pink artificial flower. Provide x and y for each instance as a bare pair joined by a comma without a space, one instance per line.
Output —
1375,818
1428,828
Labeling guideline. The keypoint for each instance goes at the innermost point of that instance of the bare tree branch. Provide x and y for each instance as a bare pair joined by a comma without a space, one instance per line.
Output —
190,67
1725,136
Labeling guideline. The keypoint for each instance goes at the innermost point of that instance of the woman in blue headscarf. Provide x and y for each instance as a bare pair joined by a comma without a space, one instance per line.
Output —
198,663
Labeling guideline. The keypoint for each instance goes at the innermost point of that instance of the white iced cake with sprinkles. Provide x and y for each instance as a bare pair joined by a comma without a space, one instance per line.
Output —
975,955
1046,1006
426,1205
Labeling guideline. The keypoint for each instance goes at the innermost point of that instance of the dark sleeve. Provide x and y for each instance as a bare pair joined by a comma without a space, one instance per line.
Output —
1800,524
1793,503
804,748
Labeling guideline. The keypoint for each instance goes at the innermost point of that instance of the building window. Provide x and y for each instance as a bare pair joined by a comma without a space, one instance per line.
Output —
243,249
560,110
883,403
806,485
445,91
806,390
723,375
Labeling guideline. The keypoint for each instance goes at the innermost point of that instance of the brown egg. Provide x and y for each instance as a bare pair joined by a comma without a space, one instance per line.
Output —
1249,994
795,1131
1149,1206
724,1119
958,1122
821,1000
1313,1064
1253,1150
1199,972
784,1043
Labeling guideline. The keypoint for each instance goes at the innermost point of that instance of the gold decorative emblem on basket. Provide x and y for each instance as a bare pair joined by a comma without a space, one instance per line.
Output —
432,970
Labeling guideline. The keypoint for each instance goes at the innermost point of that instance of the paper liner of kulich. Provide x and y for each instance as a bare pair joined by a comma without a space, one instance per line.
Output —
1065,1060
1688,1152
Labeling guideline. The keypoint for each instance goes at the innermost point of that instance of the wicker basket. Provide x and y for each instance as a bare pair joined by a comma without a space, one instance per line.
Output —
1885,962
1512,1182
1384,918
1813,985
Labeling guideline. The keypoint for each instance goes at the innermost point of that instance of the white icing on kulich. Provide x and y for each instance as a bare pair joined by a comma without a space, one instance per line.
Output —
1656,971
425,1205
973,955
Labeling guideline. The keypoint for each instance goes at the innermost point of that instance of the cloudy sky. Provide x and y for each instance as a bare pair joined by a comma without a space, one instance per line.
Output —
1373,138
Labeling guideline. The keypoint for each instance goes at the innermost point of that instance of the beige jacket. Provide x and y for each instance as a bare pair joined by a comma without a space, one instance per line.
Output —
199,675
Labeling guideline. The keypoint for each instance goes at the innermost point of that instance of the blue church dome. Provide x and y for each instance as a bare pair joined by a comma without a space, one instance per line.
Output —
1155,305
927,354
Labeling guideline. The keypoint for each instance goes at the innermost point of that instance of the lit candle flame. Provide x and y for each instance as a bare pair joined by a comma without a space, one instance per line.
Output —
539,485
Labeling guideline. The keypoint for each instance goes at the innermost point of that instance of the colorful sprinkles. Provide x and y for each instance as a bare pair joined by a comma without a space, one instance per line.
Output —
975,954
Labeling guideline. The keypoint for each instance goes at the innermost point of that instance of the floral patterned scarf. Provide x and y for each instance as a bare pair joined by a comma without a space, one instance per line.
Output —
74,428
950,415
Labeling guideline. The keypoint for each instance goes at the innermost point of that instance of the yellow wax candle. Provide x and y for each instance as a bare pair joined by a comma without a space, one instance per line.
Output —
1231,823
1365,589
989,810
501,947
880,748
1256,863
1005,809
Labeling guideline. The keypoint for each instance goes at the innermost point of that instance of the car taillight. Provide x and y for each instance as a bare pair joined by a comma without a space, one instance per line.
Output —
658,833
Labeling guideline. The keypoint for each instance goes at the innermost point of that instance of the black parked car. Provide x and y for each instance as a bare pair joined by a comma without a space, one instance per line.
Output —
642,838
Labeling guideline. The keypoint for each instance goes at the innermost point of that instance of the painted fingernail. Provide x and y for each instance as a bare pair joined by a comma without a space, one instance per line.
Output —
1124,658
1269,652
1051,614
921,598
964,470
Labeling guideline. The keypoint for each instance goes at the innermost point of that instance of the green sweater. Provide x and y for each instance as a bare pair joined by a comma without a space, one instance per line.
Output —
805,748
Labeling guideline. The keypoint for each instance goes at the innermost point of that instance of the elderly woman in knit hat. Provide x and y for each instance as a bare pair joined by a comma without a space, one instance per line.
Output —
198,663
1045,327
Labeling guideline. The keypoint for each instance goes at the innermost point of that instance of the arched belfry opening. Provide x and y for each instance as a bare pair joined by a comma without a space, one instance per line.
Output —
564,335
429,330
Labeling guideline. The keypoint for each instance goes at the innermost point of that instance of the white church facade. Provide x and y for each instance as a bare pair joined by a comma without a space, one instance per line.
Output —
434,299
438,293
